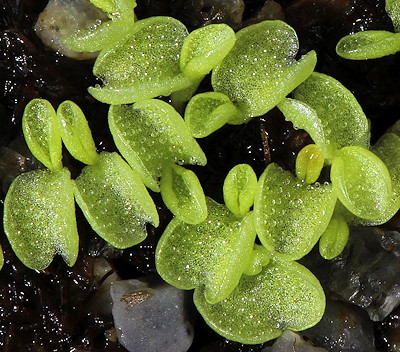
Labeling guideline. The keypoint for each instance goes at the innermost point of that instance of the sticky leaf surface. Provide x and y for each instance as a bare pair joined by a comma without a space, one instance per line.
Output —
285,295
213,253
114,201
261,69
291,215
335,237
39,218
151,133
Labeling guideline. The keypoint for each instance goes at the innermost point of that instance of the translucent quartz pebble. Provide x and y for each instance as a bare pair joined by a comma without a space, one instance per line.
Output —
42,133
285,295
114,201
213,253
151,316
261,69
61,18
368,45
366,273
343,328
291,215
290,341
151,133
144,64
39,218
343,120
362,182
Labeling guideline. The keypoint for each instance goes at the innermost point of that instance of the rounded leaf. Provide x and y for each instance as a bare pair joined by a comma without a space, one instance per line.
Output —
151,133
261,69
291,215
145,64
114,201
335,237
213,253
309,163
392,8
39,218
42,133
75,133
368,45
239,189
205,48
343,120
285,295
361,181
182,193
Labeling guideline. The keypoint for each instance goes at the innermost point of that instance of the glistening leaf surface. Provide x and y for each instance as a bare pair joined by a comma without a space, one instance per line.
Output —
343,120
39,218
291,215
368,45
285,295
42,133
114,201
151,133
213,253
261,69
362,182
145,64
75,133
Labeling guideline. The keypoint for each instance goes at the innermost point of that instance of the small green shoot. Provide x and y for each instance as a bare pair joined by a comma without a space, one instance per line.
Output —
335,237
309,163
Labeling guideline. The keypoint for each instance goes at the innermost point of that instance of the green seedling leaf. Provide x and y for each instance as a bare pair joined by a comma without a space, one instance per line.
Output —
145,64
42,133
151,133
392,8
335,237
305,117
362,182
205,48
114,201
182,193
285,295
1,258
76,134
309,163
213,253
239,189
291,215
39,218
368,45
343,120
207,112
261,69
259,257
105,5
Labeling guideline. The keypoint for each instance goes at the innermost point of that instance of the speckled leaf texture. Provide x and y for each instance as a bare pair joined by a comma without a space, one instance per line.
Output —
151,133
182,193
145,64
392,8
114,201
39,218
291,215
212,254
362,182
205,48
75,133
368,45
285,295
343,120
42,133
261,69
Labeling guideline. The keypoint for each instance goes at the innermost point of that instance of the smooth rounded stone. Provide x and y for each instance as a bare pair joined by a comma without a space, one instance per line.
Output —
151,316
366,273
343,328
290,341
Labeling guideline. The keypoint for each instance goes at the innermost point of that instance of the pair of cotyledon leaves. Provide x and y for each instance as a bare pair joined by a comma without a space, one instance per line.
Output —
373,44
39,210
244,292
